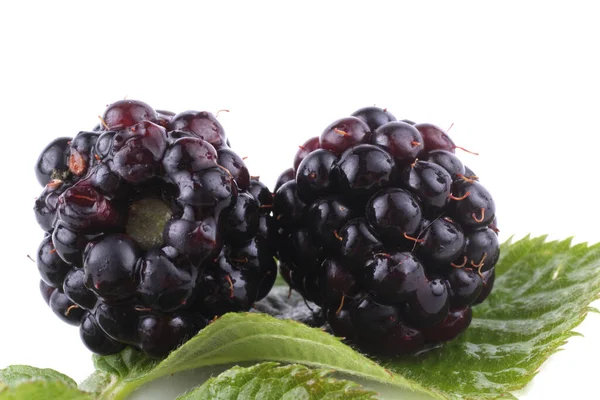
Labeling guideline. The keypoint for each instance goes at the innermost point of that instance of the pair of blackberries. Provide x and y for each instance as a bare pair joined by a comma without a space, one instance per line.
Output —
154,226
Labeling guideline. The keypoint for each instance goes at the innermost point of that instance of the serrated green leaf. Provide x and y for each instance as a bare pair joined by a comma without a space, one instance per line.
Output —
269,381
22,382
43,390
97,382
239,337
17,374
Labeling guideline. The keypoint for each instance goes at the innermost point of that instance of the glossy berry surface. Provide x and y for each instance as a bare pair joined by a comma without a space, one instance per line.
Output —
381,225
343,134
126,113
374,117
152,227
401,140
201,124
53,161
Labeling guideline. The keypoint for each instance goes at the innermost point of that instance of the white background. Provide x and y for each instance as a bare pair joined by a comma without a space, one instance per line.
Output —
519,81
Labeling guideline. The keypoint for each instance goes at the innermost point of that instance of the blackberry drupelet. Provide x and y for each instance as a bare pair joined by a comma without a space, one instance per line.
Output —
153,226
381,225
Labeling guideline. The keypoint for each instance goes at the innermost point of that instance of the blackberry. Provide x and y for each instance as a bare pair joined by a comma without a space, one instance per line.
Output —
53,161
381,225
95,339
153,226
285,177
374,117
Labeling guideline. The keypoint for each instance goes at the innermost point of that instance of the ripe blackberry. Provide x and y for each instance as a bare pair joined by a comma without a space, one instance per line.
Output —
381,224
153,226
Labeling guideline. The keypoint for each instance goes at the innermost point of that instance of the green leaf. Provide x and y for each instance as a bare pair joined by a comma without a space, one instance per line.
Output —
97,382
542,291
22,382
43,390
239,337
274,382
17,374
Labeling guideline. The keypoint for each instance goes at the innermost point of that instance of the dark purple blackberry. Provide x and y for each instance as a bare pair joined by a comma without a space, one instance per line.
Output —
482,250
430,305
466,285
473,206
52,268
120,322
125,113
374,117
163,117
337,283
305,149
84,209
430,182
202,124
287,206
394,278
384,227
457,321
371,319
312,175
160,334
103,179
343,134
187,156
46,291
162,285
153,226
449,161
227,287
70,244
488,277
110,265
356,244
95,339
236,167
395,214
243,219
262,195
198,239
441,243
300,249
210,189
362,170
324,219
434,138
285,176
137,152
53,162
80,157
255,260
339,320
75,289
403,141
399,338
47,202
65,309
